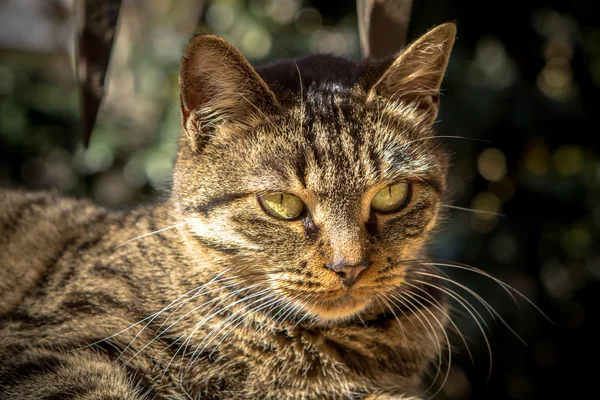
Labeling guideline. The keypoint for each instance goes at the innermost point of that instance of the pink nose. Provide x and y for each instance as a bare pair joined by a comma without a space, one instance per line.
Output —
348,273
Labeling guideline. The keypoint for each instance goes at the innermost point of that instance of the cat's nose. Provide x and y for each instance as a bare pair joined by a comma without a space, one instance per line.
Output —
348,273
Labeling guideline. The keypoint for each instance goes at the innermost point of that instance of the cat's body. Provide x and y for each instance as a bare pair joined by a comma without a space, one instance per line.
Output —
233,303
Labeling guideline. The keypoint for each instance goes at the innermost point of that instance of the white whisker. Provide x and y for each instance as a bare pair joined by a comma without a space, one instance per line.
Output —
440,308
185,344
445,137
245,316
211,316
412,296
432,334
152,233
508,288
172,304
487,305
474,210
159,335
212,334
455,297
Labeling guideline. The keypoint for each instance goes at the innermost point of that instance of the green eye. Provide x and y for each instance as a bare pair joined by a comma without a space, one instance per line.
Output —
391,198
282,206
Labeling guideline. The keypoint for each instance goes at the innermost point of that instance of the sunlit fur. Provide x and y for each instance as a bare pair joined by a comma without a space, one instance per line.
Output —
206,295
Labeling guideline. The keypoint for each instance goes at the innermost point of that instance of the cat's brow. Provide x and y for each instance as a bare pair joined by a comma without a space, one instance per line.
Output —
431,181
214,202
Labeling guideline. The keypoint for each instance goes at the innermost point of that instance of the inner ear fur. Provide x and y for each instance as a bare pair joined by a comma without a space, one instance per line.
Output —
415,75
219,86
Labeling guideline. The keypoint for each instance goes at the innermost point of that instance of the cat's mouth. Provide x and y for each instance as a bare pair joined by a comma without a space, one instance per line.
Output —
341,307
344,305
356,304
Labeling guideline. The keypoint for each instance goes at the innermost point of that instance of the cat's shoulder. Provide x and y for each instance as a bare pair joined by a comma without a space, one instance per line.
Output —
16,204
35,229
42,219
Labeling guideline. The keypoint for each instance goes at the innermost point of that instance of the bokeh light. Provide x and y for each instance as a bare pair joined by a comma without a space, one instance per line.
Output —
491,164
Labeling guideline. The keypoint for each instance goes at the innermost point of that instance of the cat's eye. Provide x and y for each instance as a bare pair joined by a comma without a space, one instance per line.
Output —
282,205
391,198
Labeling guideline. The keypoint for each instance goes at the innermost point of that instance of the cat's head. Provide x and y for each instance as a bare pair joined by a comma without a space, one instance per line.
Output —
320,179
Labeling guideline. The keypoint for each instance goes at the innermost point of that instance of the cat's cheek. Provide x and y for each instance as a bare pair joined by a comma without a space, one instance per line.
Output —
410,226
432,219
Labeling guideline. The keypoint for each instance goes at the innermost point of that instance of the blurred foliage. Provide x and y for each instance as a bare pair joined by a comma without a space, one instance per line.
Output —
521,90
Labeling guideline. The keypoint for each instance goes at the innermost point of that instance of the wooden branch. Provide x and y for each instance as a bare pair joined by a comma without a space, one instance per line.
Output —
383,26
98,23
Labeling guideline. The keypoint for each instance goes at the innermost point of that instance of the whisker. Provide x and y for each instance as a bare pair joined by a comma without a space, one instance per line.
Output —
204,304
503,284
287,304
214,314
304,303
506,287
435,341
159,335
211,316
438,270
187,341
212,335
453,294
439,307
169,306
199,293
485,304
245,316
200,323
391,310
445,137
289,307
410,348
152,233
361,320
405,302
173,304
274,303
411,295
481,300
458,297
474,210
302,104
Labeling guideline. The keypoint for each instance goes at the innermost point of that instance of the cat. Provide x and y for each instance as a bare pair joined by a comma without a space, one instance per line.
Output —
286,263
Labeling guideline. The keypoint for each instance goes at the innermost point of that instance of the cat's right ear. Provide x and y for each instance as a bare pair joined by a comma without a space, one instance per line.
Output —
218,86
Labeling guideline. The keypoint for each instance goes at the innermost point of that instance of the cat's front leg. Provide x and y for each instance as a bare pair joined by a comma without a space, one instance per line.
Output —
37,373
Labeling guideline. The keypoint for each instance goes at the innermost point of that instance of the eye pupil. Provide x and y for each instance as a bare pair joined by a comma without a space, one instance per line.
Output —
281,205
391,198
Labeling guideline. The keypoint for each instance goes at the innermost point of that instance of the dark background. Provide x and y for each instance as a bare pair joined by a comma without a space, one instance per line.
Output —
521,88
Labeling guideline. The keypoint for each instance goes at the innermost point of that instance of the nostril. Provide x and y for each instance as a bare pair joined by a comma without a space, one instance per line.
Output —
342,267
341,274
348,273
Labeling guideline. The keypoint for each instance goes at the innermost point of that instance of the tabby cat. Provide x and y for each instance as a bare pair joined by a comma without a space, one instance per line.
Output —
285,264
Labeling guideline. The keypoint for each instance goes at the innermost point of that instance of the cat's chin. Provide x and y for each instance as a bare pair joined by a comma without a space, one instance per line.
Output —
359,307
341,309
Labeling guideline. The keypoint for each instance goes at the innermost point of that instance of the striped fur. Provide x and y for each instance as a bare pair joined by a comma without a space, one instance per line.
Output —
205,296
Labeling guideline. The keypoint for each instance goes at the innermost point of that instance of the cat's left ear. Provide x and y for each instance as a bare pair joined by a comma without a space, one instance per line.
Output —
219,87
415,75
